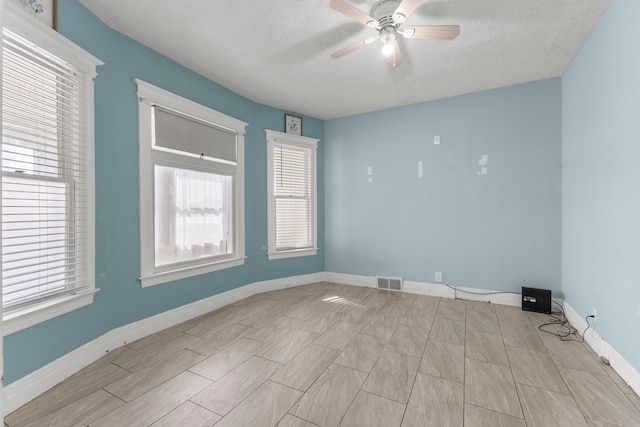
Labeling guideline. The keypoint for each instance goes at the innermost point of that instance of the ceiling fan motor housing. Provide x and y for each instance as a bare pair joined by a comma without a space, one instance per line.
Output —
383,13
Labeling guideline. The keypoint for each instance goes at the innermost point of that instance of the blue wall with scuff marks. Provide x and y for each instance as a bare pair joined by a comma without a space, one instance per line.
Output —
495,231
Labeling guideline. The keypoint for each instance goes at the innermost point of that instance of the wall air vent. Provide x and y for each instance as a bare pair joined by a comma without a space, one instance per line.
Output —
390,283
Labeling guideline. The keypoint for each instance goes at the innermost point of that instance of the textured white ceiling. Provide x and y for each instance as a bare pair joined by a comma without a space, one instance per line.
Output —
276,52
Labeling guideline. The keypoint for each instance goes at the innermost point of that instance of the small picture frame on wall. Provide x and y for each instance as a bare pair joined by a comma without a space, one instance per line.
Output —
292,124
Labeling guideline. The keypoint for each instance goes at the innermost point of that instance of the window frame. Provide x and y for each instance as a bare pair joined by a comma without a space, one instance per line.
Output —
26,315
275,138
148,96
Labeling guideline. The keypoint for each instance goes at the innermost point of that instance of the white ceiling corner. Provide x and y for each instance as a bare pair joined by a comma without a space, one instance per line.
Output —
277,52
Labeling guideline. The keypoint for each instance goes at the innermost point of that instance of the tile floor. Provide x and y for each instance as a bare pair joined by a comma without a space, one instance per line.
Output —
335,355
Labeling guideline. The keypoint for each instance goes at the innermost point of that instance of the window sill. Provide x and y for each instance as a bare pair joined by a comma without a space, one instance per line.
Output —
172,275
25,317
292,253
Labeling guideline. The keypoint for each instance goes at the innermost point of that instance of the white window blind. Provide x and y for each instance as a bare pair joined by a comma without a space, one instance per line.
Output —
291,210
294,204
45,191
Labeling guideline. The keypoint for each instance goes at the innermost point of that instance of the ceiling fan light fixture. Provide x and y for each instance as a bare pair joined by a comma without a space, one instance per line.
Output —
387,49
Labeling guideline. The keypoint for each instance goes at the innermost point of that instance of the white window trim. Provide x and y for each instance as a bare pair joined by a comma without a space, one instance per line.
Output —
273,138
20,22
148,96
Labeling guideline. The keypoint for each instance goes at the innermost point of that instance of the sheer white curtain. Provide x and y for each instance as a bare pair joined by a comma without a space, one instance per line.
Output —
193,214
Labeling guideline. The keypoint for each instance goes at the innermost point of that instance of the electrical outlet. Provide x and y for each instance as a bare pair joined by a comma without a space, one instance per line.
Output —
438,276
436,140
594,313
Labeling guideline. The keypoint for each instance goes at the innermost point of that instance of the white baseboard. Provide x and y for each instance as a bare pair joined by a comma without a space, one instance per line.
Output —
602,348
31,386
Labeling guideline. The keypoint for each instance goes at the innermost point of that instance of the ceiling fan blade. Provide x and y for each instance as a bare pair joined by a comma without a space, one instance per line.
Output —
405,9
433,32
353,12
396,57
353,47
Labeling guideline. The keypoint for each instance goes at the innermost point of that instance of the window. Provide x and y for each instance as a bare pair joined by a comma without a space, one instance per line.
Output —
47,173
191,187
291,176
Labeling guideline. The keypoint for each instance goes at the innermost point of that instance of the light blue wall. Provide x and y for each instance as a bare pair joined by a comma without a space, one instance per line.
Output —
498,231
601,179
121,300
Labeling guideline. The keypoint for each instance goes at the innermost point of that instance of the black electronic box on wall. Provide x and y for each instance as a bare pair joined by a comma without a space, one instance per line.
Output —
538,300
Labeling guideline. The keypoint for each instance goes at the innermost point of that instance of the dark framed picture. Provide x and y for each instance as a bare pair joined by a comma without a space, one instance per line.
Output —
292,124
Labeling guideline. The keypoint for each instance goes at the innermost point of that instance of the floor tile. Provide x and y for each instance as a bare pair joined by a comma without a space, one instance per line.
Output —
507,313
304,310
392,376
65,393
157,403
143,358
221,339
419,317
382,325
337,303
141,381
368,410
572,354
522,336
223,362
376,299
291,421
474,416
483,322
360,314
447,330
233,388
160,337
435,402
543,408
395,307
425,303
81,412
188,415
549,323
288,346
106,359
409,340
211,325
275,330
329,397
306,367
480,307
536,369
339,335
265,407
452,309
486,347
491,386
320,321
599,398
443,360
362,353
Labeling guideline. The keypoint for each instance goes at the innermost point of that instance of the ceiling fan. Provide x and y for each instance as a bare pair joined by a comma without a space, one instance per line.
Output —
387,17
